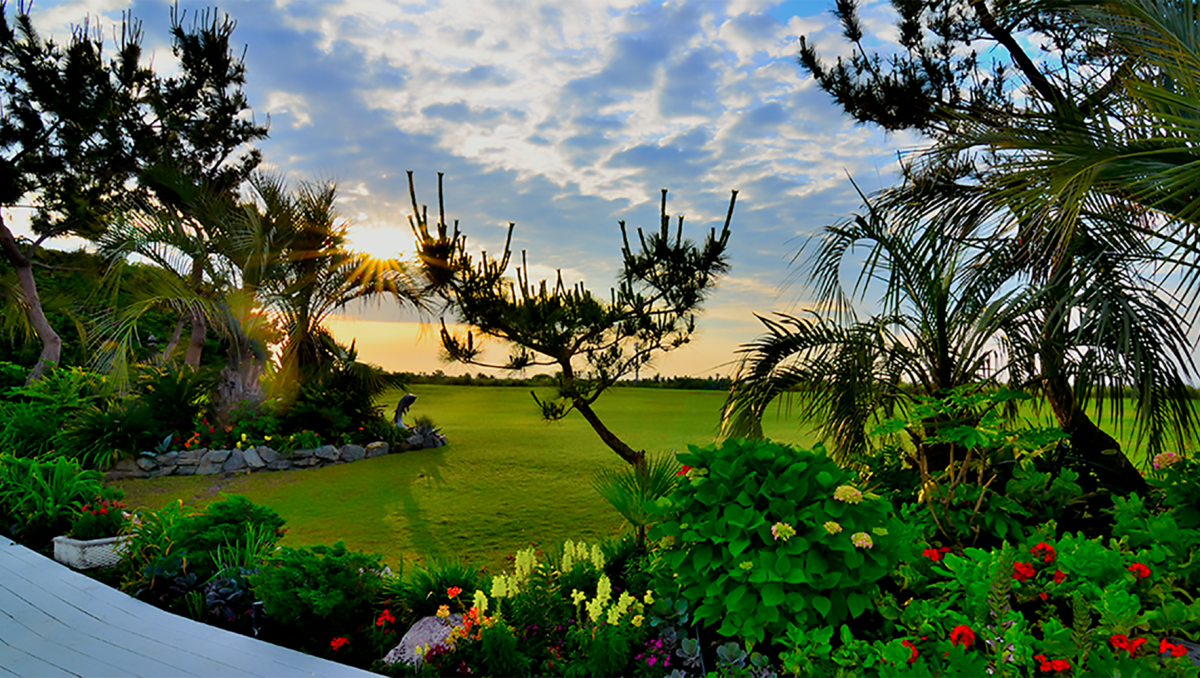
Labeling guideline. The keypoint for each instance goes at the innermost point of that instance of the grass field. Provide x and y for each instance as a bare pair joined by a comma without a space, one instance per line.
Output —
506,479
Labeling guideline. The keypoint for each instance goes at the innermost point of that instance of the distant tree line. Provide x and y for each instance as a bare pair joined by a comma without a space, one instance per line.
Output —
552,380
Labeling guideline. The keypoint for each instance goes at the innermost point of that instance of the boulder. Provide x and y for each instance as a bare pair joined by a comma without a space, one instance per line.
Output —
279,465
301,454
267,454
147,463
427,632
376,449
168,459
352,452
192,457
305,462
416,440
327,452
188,470
434,440
235,462
165,470
250,455
212,461
125,468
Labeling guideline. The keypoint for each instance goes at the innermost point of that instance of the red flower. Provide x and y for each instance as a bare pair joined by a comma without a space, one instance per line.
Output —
1165,646
1042,595
683,471
1055,665
908,643
961,635
337,643
1122,642
1059,576
1139,570
453,591
384,618
1043,551
1022,571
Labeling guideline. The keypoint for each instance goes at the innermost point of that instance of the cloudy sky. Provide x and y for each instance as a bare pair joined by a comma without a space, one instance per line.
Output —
561,117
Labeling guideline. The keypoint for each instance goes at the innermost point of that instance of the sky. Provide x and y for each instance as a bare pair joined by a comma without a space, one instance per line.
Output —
563,118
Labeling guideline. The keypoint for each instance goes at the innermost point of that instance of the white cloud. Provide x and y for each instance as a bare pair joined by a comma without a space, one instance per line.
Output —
291,105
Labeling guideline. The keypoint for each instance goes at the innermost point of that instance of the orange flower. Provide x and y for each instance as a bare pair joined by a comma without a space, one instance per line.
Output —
453,591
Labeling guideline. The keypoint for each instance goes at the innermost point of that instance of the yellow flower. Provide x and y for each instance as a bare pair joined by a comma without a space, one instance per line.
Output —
636,621
443,611
267,438
648,598
746,565
577,596
480,602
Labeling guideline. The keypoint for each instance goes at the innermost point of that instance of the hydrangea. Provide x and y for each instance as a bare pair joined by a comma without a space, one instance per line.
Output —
862,540
832,527
848,494
782,531
1164,459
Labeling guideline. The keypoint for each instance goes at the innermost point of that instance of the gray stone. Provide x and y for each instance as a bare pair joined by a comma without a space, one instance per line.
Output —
188,470
305,462
267,454
279,465
165,470
376,449
327,452
416,440
168,459
147,463
212,461
352,452
429,631
250,455
125,468
434,440
301,454
235,462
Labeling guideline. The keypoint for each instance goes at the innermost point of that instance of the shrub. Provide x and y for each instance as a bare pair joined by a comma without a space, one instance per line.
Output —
102,517
316,593
176,395
766,535
103,433
38,498
225,524
426,590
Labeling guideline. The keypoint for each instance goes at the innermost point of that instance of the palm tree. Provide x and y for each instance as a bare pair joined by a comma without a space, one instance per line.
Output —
935,330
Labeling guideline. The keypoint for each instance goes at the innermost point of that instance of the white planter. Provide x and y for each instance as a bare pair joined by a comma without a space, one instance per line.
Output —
91,553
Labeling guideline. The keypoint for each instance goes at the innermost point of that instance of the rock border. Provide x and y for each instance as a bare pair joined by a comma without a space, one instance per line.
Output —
203,461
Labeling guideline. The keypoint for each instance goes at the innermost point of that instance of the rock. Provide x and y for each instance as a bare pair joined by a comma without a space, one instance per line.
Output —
351,452
434,440
250,455
327,452
187,470
376,449
267,454
125,468
416,440
164,470
211,462
301,454
429,631
168,459
305,462
279,465
235,462
1193,650
147,463
191,457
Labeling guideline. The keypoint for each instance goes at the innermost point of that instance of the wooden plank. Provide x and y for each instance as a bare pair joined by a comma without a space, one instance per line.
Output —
61,613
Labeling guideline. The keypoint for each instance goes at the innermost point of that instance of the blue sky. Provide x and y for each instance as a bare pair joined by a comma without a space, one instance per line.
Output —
563,118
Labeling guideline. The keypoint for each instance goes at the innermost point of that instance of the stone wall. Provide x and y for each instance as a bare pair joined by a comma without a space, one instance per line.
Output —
203,461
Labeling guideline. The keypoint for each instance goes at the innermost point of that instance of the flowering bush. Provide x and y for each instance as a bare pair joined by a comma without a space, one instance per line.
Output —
737,571
103,517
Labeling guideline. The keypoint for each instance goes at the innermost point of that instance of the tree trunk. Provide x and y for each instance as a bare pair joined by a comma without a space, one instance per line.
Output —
630,455
196,343
51,342
1100,451
175,336
238,384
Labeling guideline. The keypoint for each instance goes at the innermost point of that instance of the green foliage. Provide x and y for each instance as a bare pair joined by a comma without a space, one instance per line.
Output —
425,591
176,394
747,581
318,592
339,397
1180,488
12,376
101,517
106,432
628,489
225,524
33,417
153,556
39,498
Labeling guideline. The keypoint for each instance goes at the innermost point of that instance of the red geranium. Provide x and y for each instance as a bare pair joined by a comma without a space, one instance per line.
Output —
1139,570
1043,551
1122,642
385,617
337,643
961,635
683,471
1059,576
1165,646
908,643
1052,665
1022,571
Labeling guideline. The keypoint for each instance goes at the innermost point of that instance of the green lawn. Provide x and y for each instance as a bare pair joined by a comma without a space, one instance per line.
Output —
506,479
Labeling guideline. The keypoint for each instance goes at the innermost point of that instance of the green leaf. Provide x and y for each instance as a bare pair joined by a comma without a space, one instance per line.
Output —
856,603
821,605
815,563
735,597
825,478
772,593
738,545
701,556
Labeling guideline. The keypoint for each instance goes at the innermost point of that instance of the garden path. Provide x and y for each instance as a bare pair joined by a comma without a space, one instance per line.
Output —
57,622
